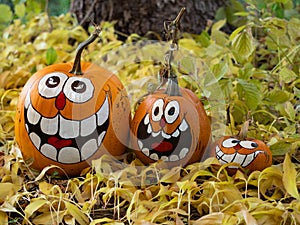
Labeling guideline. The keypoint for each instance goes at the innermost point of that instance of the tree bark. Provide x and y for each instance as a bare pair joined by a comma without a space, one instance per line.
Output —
142,16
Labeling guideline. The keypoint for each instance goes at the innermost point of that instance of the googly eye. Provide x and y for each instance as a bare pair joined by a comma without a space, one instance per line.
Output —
51,84
172,111
78,89
249,144
157,110
230,142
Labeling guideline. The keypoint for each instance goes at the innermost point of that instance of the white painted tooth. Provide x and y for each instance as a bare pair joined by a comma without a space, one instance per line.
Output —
228,157
32,115
256,153
103,113
88,149
248,160
36,140
69,155
88,126
140,144
176,133
26,127
49,151
154,156
233,167
155,134
149,129
183,126
146,120
100,138
167,136
68,128
239,158
27,100
146,151
164,158
174,158
49,126
183,153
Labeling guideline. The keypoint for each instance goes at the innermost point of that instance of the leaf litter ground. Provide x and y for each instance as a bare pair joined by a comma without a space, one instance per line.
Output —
124,191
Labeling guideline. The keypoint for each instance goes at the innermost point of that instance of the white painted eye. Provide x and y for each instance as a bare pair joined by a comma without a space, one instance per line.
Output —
249,144
157,110
230,142
172,111
51,85
78,89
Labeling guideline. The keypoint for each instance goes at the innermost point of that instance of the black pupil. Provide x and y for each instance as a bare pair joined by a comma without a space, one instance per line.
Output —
171,111
78,86
254,145
235,141
156,111
52,82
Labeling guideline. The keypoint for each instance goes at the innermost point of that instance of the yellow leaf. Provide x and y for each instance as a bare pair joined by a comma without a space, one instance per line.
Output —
7,190
3,218
289,177
45,187
34,206
79,216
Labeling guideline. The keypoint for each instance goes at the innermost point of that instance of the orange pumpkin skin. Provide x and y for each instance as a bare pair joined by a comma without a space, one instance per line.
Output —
173,129
70,124
251,154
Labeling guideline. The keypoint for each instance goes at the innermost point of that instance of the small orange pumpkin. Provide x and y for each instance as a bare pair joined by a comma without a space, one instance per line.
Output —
71,113
251,154
171,126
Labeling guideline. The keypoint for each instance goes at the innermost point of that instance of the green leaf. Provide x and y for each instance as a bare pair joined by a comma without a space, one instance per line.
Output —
20,10
6,13
243,46
249,93
286,75
51,56
278,96
289,177
280,148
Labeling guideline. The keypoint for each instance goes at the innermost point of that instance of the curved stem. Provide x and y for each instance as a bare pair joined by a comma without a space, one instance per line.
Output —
76,69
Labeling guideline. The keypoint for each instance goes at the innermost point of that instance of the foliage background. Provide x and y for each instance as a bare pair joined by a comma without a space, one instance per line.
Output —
257,69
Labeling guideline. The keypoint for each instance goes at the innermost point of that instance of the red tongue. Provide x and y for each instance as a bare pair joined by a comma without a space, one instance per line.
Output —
162,147
59,144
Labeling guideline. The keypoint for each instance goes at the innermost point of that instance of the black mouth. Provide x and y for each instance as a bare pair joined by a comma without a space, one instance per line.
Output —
63,140
159,145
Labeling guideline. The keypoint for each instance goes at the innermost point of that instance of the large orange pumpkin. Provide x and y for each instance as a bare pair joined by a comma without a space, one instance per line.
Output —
172,126
251,154
71,113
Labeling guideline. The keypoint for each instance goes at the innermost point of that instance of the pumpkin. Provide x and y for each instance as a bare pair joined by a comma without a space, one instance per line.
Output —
71,113
171,126
251,154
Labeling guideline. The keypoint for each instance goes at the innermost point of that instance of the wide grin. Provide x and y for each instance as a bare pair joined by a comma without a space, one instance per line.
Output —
241,159
64,140
160,145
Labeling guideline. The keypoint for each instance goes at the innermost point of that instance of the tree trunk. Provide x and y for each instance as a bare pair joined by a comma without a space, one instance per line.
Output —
142,16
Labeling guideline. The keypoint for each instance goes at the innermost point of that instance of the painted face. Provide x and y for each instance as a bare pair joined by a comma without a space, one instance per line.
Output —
168,128
65,119
60,137
250,153
164,132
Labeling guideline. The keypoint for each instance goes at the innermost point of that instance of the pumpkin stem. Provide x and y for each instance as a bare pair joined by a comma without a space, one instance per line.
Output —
172,31
76,69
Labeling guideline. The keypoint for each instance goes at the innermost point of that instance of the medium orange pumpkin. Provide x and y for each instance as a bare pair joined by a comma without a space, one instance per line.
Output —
170,125
71,113
251,154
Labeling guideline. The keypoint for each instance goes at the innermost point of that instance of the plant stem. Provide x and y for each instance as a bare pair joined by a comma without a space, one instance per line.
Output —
76,69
